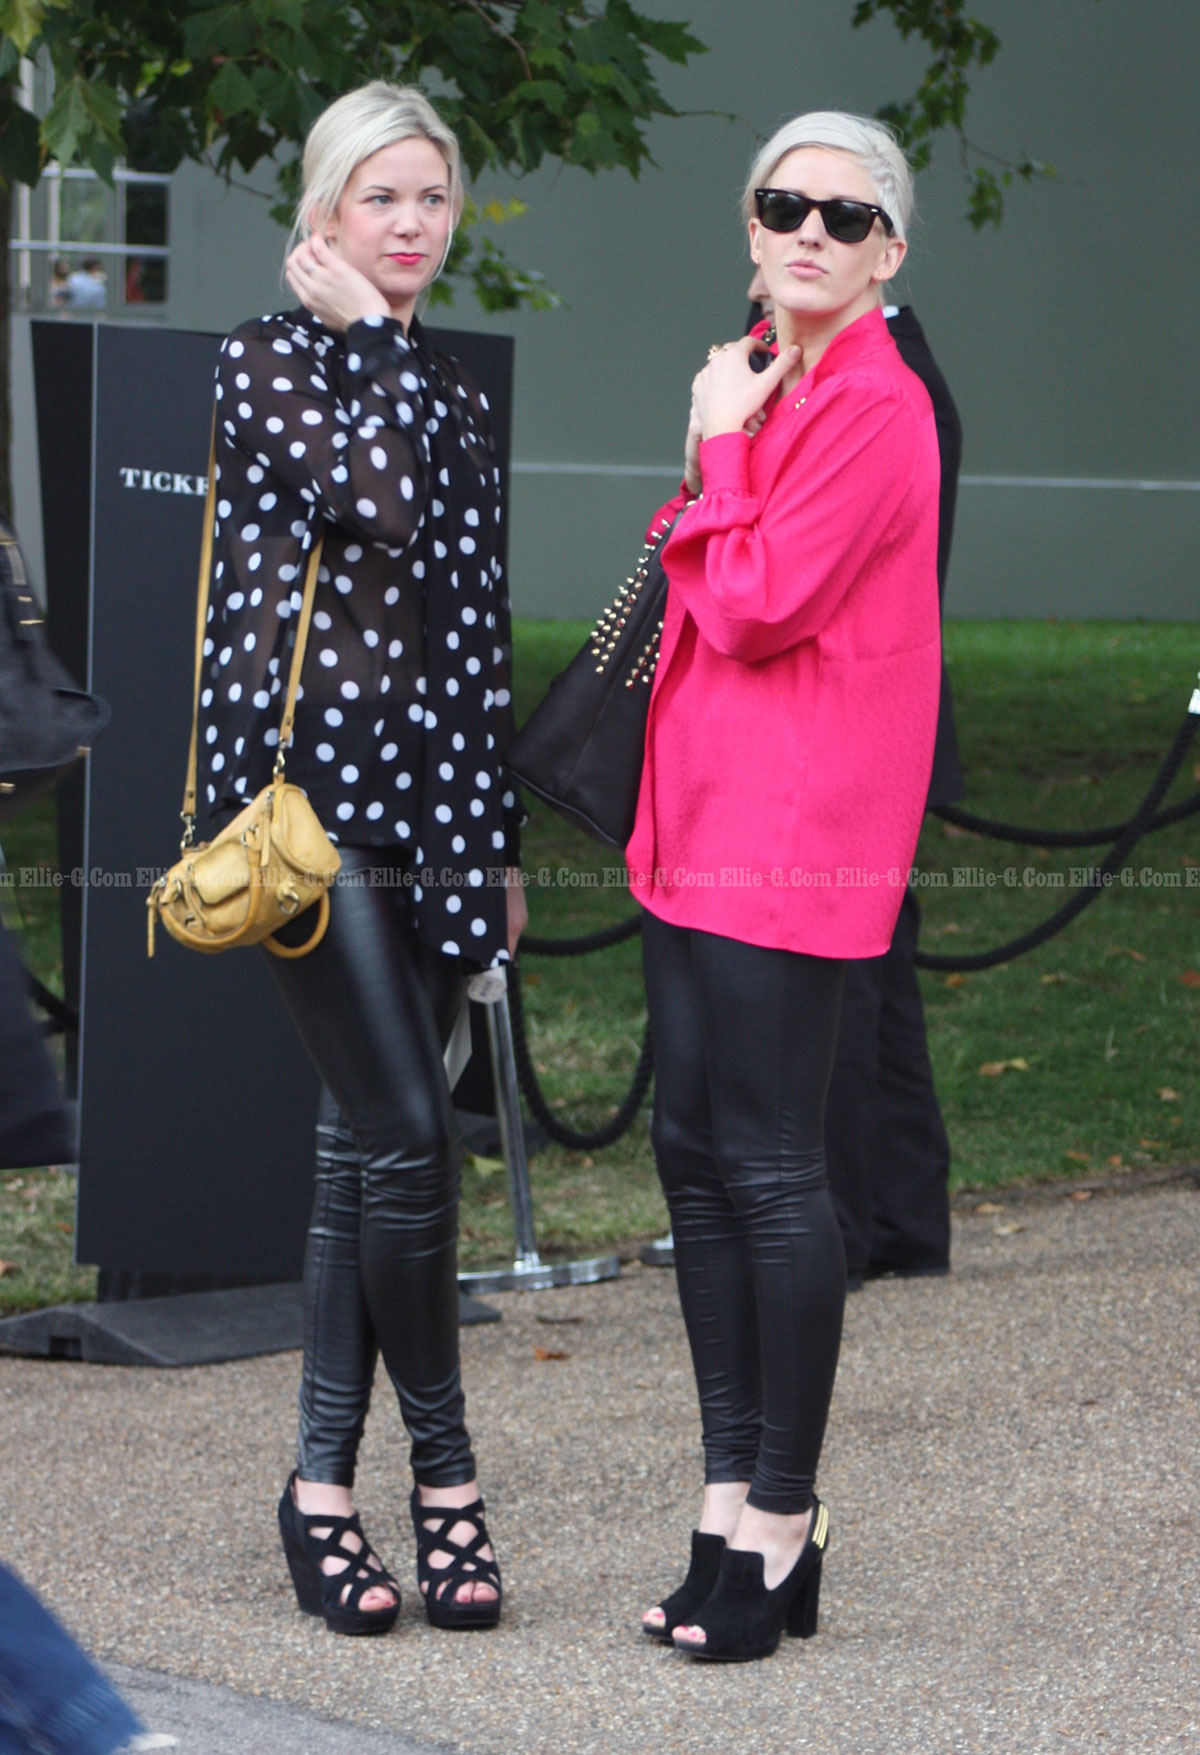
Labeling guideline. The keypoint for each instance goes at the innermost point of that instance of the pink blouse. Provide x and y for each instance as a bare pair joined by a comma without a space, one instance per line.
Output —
792,720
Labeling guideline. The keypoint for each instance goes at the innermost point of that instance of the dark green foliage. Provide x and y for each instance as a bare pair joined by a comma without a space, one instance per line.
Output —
234,84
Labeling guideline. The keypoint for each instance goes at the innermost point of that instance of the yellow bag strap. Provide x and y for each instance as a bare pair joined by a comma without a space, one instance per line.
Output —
188,812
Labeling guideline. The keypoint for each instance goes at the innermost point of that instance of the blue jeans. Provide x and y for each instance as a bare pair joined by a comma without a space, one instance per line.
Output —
53,1699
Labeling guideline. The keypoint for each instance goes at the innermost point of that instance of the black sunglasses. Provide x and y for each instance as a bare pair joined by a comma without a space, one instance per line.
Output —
783,210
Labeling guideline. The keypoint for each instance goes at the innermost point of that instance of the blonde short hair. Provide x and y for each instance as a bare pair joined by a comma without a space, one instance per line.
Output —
354,127
873,145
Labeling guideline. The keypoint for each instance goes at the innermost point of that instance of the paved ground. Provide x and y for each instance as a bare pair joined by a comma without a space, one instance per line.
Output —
1010,1471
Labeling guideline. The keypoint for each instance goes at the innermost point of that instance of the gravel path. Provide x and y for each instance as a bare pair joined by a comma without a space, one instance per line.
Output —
1010,1471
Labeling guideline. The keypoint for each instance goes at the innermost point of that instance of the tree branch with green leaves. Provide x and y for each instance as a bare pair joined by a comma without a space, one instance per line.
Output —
236,83
958,44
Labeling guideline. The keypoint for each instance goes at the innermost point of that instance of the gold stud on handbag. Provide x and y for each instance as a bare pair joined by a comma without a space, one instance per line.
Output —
274,859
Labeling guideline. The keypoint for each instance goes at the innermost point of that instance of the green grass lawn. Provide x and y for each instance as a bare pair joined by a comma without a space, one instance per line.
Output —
1094,1034
1064,724
1061,724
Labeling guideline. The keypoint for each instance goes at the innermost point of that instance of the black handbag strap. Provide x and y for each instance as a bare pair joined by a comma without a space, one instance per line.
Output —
20,606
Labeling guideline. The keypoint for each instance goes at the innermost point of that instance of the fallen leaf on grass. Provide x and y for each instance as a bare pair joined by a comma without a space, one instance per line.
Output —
1006,1230
952,832
1167,1094
1080,1194
1056,980
7,1267
1116,1162
989,1206
958,979
1125,951
1079,1157
63,1226
541,1354
1150,1145
992,1069
487,1166
1190,978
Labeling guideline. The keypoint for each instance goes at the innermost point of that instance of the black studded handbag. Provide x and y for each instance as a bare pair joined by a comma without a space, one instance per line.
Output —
46,723
582,747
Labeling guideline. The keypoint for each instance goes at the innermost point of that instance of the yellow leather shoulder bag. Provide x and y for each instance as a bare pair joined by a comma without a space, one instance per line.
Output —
274,860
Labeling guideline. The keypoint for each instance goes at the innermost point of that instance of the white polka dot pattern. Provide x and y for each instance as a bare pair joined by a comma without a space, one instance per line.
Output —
407,671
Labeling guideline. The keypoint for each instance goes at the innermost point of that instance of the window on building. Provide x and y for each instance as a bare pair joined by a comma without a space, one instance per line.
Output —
88,250
83,248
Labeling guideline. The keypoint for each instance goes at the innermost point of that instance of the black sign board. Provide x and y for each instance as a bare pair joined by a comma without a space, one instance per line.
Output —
197,1104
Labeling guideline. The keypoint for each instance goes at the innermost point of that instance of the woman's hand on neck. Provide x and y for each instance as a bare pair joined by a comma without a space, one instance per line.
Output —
332,290
728,396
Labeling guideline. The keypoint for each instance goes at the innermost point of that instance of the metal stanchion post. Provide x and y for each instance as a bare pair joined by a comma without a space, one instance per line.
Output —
528,1272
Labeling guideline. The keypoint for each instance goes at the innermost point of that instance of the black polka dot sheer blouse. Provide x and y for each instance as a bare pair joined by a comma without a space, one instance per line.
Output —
382,446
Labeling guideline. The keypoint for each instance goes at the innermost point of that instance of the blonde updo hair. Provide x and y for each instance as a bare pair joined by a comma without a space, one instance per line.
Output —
870,143
354,127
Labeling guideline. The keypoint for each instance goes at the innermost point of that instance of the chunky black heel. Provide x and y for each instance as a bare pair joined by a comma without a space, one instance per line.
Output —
742,1619
696,1588
335,1595
440,1584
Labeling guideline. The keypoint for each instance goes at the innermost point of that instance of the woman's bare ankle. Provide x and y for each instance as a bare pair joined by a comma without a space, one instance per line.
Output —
777,1536
465,1493
323,1499
722,1509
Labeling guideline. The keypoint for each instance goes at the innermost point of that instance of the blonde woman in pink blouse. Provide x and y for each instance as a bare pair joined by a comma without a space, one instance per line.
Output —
787,759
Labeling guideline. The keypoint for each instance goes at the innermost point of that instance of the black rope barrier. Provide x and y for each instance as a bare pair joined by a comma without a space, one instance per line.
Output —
590,941
1099,877
965,819
1121,838
63,1018
579,1140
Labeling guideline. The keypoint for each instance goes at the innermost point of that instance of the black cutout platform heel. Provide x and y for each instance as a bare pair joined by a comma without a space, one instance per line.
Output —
697,1587
335,1595
742,1619
439,1584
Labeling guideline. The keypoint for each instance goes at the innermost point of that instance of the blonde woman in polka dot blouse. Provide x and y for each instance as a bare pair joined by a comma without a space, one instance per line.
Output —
338,420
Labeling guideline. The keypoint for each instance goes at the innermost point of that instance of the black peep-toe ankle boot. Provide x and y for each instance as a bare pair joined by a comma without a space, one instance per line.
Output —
679,1608
742,1619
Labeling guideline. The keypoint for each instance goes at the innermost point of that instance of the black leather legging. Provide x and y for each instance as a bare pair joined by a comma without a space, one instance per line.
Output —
743,1045
373,1007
